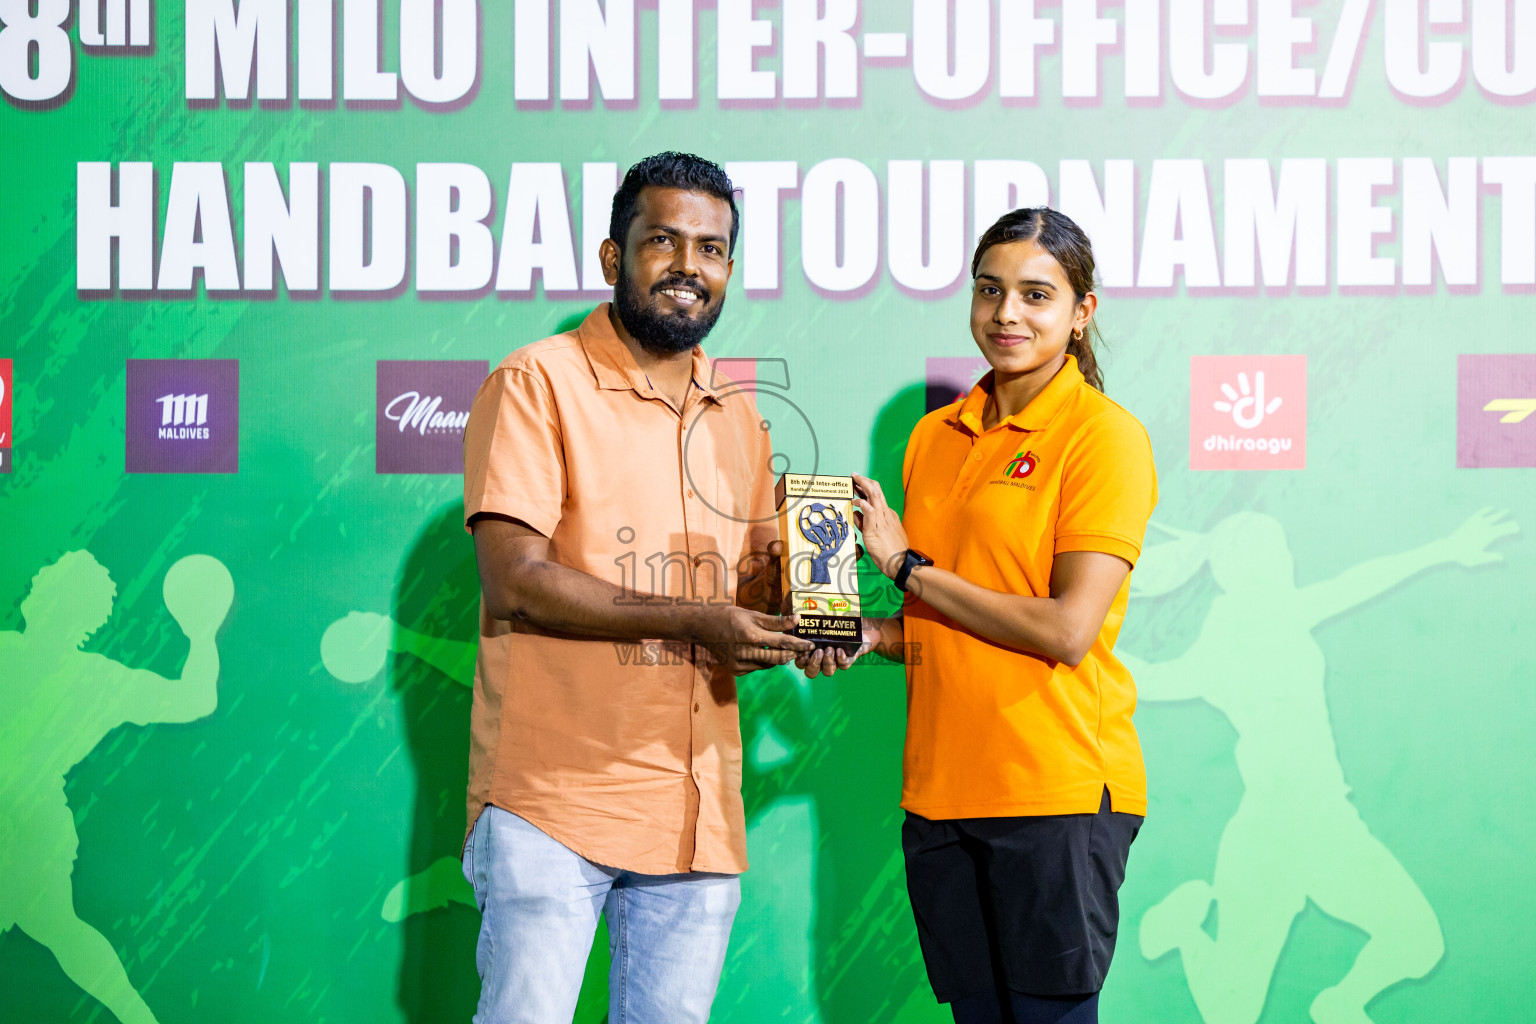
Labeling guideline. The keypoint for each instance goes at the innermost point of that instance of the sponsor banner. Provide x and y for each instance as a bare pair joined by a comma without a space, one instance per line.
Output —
423,405
1248,412
1496,410
183,416
5,415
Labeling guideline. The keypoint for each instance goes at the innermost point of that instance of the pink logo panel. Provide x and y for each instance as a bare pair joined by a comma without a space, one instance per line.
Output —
1496,410
1248,412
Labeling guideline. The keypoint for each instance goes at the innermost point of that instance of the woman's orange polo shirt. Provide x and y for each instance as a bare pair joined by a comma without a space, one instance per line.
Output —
993,731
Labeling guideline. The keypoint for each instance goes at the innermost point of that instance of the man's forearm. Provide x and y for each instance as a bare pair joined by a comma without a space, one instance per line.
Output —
559,598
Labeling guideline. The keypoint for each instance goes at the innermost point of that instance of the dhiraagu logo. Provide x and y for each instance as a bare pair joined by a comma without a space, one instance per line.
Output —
1248,412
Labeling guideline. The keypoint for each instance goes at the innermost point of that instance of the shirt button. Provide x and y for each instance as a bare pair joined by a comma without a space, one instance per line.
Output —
690,494
696,707
698,560
977,456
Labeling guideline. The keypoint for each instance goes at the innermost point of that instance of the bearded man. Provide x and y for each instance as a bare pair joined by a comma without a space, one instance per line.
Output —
621,506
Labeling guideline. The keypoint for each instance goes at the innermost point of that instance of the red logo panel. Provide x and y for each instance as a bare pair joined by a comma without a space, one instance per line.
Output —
1248,412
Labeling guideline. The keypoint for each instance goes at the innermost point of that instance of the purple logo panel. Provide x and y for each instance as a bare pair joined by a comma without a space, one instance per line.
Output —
183,416
1496,411
423,405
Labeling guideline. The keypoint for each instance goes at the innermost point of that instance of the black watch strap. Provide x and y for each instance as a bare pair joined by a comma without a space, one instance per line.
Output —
912,559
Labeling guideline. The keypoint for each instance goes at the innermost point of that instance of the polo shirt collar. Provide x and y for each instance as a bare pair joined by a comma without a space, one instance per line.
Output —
1037,415
615,368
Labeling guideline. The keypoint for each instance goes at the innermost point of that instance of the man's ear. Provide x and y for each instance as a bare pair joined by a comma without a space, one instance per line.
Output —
608,253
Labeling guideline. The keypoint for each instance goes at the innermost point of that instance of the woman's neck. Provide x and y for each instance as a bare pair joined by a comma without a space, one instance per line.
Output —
1012,393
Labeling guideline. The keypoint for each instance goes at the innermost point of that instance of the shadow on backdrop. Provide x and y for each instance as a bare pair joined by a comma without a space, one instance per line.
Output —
435,612
428,644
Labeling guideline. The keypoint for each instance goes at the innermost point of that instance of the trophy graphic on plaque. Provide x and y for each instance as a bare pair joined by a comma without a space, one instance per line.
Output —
819,562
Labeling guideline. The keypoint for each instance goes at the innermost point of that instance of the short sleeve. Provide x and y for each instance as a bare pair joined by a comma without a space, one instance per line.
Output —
1108,489
514,463
765,521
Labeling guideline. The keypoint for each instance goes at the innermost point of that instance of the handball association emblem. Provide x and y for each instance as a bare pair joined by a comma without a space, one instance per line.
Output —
1021,465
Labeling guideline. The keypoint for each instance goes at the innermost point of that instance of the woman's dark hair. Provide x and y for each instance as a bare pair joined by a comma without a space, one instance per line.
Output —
1060,236
669,170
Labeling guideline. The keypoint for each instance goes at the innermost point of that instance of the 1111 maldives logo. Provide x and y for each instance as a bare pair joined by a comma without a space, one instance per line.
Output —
183,416
1248,412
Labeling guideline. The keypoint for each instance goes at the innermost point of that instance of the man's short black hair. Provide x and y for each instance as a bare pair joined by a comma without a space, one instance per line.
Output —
670,170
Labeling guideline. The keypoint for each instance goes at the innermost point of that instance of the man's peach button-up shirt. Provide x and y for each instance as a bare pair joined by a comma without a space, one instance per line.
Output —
628,753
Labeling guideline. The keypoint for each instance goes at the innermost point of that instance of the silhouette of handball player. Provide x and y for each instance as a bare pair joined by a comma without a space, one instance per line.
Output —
56,703
1295,836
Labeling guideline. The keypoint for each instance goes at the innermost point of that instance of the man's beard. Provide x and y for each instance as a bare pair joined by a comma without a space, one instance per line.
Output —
663,334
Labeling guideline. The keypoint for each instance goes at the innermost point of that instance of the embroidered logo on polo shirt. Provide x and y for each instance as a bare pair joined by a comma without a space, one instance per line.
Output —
1021,465
1016,469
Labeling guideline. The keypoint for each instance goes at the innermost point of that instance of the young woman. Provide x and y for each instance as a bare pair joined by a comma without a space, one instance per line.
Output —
1026,503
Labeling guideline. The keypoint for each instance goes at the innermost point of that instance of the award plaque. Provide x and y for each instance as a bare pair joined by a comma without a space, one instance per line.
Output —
819,562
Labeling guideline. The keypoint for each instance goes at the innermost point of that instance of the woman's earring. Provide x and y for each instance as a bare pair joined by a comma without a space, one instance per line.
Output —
1077,334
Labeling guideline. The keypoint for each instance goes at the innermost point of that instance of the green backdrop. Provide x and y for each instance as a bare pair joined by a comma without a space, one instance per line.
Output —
1335,661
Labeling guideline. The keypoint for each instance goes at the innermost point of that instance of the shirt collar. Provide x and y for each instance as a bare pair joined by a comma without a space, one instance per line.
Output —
614,366
1037,415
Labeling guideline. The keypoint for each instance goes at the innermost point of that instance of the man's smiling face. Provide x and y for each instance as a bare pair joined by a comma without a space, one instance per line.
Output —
669,283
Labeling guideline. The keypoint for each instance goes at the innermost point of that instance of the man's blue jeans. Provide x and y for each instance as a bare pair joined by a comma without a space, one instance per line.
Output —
539,905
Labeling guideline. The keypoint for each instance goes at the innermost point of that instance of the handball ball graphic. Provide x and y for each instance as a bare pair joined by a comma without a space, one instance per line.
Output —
198,592
355,646
822,525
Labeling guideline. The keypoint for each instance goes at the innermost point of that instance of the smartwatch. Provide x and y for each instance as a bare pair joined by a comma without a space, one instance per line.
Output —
912,560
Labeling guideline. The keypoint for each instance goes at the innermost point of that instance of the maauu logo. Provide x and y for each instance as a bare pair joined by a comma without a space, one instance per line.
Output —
414,411
183,410
1247,404
418,426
